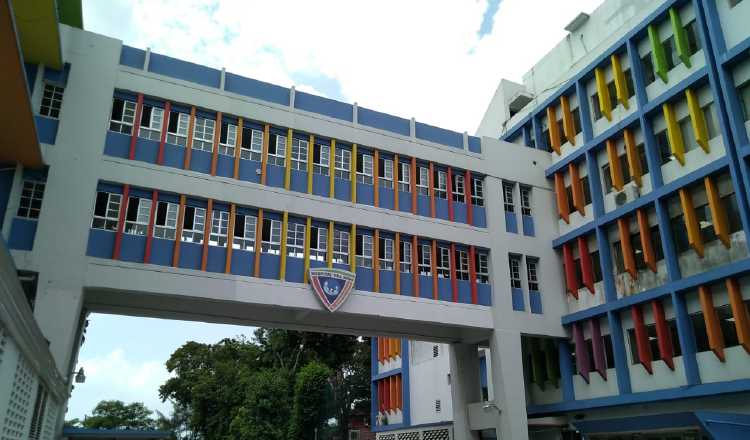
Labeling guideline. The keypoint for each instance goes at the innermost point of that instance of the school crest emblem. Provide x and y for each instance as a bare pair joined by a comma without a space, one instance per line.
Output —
332,286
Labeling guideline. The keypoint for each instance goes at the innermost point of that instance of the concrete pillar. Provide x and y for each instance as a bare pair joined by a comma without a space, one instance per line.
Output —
465,387
507,379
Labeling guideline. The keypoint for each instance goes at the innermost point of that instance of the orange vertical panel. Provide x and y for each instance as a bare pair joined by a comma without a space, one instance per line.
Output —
206,232
264,154
434,271
121,221
577,188
647,246
414,266
237,147
376,261
397,263
258,243
215,150
568,125
189,142
691,221
376,178
628,256
718,211
634,160
150,230
380,348
553,130
711,319
739,312
178,233
562,197
413,185
396,169
432,190
454,280
615,167
230,238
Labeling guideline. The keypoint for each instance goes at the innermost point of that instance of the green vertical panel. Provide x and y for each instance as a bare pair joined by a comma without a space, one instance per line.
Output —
551,361
680,37
658,56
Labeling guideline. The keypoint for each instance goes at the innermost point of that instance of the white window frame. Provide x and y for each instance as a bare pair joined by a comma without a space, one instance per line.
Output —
295,240
443,262
278,157
324,160
514,265
365,176
343,163
52,98
424,264
142,207
319,249
340,246
404,178
423,183
255,152
123,125
532,273
273,244
183,124
152,130
365,258
203,134
194,234
227,148
386,245
477,191
441,184
525,200
300,150
405,256
508,202
111,218
482,267
168,229
32,194
219,228
244,238
462,265
459,195
386,180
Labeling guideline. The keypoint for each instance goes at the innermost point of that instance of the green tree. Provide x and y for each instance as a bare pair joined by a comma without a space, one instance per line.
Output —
264,414
309,410
115,414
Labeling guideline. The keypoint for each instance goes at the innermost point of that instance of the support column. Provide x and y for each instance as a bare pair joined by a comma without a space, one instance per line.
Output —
465,387
510,395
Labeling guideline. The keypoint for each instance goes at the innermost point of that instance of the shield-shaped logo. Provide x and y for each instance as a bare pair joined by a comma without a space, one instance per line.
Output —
332,286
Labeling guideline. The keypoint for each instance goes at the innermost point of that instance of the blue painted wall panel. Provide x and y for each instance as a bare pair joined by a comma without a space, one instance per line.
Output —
22,233
475,144
464,292
511,225
383,121
535,301
528,225
256,89
132,248
275,176
146,150
439,135
298,181
7,171
517,299
190,255
484,294
184,70
423,205
200,161
387,281
386,198
295,269
57,77
101,243
480,217
31,71
321,185
269,266
161,252
132,57
404,201
217,259
459,212
364,279
174,156
425,286
117,145
249,170
365,194
46,129
406,283
317,263
323,106
445,290
225,166
243,262
483,371
343,189
441,208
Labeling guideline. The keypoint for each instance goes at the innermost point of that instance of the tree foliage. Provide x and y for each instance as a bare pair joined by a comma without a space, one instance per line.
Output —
115,414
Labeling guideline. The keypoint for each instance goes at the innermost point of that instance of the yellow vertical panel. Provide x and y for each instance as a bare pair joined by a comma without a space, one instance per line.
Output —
605,102
284,226
739,312
621,85
354,173
331,157
568,126
691,221
576,188
353,249
553,129
615,166
676,143
306,255
634,160
310,150
697,119
713,327
718,212
329,245
288,160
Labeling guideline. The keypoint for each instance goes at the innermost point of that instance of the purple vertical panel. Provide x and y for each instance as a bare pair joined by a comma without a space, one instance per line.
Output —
582,354
600,363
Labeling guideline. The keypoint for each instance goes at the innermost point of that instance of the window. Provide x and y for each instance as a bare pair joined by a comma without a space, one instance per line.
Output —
526,200
151,122
586,190
177,128
385,173
744,92
462,265
443,262
671,52
515,271
694,43
647,64
437,405
508,197
31,199
711,122
295,240
385,253
277,150
299,154
203,134
662,142
318,243
597,111
106,211
321,159
404,255
480,263
404,177
364,251
219,228
271,237
137,216
423,182
252,144
435,351
532,273
193,224
51,101
340,247
38,416
425,260
441,184
244,232
458,189
686,127
477,191
122,117
653,341
364,168
343,163
227,139
165,225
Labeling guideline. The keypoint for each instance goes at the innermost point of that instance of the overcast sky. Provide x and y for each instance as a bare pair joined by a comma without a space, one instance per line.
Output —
438,61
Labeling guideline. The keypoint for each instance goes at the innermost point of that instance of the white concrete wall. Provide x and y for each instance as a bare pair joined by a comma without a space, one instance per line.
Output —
429,381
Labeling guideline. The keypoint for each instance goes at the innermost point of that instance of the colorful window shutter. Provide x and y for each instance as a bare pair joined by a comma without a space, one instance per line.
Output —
718,213
739,312
691,221
663,335
582,354
641,338
386,395
628,256
634,160
587,267
381,349
676,142
680,37
381,396
577,188
562,197
568,126
697,120
647,245
605,101
554,129
713,327
571,277
393,397
597,344
551,361
621,85
615,166
658,56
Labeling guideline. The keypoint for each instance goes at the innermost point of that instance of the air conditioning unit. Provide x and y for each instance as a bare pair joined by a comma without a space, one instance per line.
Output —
628,194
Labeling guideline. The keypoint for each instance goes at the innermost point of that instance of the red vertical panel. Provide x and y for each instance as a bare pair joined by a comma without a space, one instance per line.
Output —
206,232
435,295
469,203
587,267
386,395
413,185
215,149
454,280
641,338
136,126
381,396
473,275
597,345
414,266
571,277
431,179
150,231
121,222
450,194
663,334
164,125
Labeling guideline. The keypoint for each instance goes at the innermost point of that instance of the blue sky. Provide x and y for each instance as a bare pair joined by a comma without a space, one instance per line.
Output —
438,61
